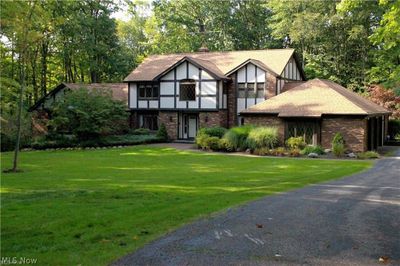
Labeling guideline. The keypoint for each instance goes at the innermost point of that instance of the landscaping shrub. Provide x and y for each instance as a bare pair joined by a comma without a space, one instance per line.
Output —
207,142
295,143
213,131
338,145
280,151
262,137
235,138
368,155
162,133
140,131
89,114
313,149
9,129
294,152
261,151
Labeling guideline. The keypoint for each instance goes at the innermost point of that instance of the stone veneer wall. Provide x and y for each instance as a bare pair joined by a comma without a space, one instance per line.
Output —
170,119
270,80
267,121
232,115
211,119
353,130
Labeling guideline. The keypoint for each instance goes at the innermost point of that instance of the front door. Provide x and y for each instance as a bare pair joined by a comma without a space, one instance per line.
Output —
189,126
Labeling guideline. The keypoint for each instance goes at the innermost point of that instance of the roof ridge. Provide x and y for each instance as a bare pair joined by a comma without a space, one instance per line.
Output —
229,51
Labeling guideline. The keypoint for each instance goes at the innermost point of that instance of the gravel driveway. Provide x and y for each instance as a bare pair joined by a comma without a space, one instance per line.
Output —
351,221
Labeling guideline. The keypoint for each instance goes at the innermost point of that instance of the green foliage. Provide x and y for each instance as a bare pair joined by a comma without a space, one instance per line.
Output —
338,145
140,131
236,137
162,132
294,152
262,137
89,114
262,151
207,142
213,131
368,155
8,121
313,149
280,151
295,143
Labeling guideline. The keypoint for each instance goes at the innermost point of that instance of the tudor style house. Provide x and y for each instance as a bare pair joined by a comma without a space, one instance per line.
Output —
192,90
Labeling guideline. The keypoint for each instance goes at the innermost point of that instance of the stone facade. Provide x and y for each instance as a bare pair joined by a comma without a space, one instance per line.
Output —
170,120
212,119
270,81
354,131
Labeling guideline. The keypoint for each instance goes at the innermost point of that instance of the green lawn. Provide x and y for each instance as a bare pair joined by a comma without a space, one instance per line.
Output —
91,207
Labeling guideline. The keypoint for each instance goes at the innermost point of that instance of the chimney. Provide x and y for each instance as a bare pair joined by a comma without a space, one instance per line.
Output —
202,30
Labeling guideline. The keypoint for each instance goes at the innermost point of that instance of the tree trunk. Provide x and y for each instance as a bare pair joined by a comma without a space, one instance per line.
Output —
43,80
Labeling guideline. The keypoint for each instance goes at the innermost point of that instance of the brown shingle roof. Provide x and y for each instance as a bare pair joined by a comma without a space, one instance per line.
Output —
153,66
119,90
315,98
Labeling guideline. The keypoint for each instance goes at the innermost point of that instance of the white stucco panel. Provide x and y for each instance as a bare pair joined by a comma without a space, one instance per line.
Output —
132,95
251,73
241,75
142,104
167,102
166,88
208,87
193,72
181,71
209,102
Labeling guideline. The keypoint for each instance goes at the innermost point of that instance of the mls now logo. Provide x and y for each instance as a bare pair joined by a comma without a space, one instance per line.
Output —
17,260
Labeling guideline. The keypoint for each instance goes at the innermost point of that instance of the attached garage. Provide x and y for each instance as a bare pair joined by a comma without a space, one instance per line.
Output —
317,110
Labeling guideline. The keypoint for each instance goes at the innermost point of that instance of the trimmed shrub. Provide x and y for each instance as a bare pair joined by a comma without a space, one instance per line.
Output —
261,151
295,143
294,153
262,137
213,131
368,155
207,142
280,151
313,149
162,132
338,145
140,131
235,138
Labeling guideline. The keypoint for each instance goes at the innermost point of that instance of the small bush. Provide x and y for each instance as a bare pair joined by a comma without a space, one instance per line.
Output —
140,131
213,131
206,142
280,151
294,153
261,151
313,149
262,137
338,145
235,138
368,155
162,132
295,143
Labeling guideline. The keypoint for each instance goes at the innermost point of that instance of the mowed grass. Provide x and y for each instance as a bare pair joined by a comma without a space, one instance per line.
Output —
91,207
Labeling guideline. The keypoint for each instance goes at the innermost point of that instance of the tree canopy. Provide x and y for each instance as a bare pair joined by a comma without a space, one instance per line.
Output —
353,42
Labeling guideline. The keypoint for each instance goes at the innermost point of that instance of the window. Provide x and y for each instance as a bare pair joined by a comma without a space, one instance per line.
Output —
241,90
248,90
149,121
148,91
187,90
307,130
260,90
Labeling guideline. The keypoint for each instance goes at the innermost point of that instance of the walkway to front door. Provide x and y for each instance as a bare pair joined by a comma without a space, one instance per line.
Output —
188,125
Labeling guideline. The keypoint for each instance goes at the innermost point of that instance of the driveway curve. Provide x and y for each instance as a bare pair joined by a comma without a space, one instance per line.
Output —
351,221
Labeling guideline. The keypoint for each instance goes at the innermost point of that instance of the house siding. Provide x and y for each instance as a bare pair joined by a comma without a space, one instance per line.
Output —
353,130
170,120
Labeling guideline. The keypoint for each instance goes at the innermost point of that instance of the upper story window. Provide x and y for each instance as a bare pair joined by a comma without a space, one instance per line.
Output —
187,90
250,90
149,91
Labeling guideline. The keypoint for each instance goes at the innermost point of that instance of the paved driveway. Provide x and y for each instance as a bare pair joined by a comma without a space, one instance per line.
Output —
351,221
